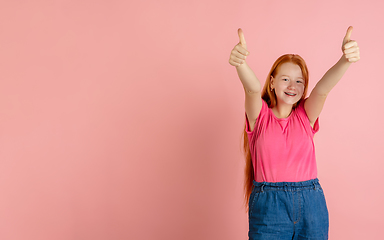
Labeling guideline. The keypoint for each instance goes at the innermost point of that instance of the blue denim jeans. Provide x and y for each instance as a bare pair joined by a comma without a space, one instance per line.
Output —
288,210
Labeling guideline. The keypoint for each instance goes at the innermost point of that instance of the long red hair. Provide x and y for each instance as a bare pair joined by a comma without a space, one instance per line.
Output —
270,98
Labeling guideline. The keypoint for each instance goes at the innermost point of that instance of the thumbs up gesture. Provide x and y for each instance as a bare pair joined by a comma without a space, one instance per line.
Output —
350,49
239,53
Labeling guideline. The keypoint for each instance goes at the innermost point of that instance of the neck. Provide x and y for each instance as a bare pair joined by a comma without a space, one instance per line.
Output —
282,110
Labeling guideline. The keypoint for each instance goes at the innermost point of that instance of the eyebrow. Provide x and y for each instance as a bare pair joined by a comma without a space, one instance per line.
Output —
290,77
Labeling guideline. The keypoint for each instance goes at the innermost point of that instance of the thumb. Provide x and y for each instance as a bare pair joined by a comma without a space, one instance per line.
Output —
347,37
242,39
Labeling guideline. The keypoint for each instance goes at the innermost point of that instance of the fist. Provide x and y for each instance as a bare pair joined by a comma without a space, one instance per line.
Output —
239,53
350,49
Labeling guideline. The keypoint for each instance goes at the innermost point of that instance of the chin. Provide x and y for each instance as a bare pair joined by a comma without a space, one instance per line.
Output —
291,102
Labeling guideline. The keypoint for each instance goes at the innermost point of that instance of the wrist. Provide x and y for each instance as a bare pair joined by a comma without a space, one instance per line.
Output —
243,65
343,60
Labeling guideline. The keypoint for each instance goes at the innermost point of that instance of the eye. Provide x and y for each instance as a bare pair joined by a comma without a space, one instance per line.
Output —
285,79
299,81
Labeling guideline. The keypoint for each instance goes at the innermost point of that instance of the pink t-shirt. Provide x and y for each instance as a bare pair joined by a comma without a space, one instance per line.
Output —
282,149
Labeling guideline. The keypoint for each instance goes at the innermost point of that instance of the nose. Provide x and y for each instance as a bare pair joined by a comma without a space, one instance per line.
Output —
291,85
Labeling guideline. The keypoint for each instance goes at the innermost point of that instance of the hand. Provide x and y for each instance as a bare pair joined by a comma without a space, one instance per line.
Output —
239,52
350,49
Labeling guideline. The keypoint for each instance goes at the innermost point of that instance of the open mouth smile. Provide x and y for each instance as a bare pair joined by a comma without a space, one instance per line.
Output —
290,94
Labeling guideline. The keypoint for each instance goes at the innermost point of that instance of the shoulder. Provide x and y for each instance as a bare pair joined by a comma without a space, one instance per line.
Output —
300,107
302,114
251,124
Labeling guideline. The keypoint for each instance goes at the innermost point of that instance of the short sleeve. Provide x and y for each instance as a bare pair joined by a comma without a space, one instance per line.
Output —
247,127
264,108
302,112
316,126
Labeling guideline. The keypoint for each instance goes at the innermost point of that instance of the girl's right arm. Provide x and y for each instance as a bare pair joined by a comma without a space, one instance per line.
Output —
251,84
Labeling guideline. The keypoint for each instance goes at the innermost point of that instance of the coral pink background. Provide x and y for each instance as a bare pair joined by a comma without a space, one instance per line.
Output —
123,119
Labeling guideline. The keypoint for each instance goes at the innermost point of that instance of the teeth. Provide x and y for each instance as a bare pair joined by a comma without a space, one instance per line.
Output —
291,94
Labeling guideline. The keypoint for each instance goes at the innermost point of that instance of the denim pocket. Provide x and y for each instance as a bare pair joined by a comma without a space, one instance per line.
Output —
321,209
252,200
320,190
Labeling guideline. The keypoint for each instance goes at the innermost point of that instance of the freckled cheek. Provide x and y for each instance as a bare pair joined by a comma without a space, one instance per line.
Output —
301,89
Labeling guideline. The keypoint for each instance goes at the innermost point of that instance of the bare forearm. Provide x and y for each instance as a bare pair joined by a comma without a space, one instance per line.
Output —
248,78
332,76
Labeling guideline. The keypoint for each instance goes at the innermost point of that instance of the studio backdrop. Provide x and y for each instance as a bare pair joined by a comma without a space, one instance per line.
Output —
124,120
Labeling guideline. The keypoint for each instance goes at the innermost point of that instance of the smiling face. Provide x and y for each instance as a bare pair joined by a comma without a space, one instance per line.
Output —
288,84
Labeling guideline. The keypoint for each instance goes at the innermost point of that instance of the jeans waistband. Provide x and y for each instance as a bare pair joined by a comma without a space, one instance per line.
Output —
287,186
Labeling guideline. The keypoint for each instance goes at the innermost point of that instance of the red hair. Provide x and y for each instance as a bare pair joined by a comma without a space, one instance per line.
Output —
270,98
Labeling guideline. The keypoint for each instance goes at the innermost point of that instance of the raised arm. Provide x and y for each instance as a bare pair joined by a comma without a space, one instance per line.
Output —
315,102
251,84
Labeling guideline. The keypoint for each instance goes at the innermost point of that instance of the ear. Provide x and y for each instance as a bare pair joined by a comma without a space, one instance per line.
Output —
272,81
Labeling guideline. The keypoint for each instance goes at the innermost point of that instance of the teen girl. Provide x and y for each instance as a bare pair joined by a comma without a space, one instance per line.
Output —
285,199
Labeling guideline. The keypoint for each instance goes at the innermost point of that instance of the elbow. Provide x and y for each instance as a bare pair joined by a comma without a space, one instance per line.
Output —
251,91
321,92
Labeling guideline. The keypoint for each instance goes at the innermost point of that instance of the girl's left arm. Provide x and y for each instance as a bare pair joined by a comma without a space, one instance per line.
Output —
315,102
